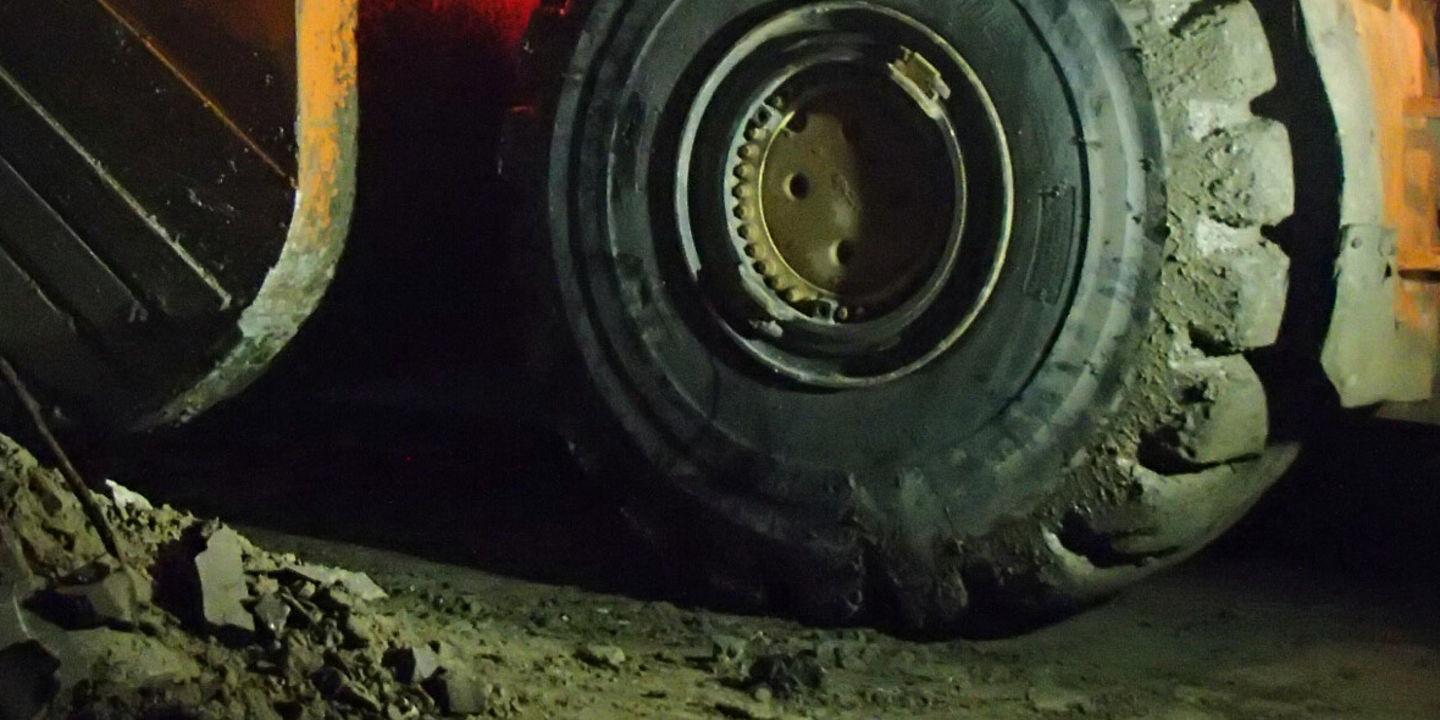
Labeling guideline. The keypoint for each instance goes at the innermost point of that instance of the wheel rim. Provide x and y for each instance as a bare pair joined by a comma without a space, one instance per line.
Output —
639,193
828,162
825,182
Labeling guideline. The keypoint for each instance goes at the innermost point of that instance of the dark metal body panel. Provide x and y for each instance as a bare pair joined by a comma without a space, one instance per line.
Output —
149,166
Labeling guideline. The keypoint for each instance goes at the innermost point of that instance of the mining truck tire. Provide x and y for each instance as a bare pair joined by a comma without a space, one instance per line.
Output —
932,315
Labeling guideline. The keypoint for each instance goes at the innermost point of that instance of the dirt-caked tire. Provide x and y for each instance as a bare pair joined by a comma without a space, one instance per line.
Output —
929,314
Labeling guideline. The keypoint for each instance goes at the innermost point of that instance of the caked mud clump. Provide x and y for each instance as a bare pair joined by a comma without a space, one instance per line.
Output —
195,621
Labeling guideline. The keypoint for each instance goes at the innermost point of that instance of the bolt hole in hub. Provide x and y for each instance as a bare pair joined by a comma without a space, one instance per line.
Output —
799,186
832,166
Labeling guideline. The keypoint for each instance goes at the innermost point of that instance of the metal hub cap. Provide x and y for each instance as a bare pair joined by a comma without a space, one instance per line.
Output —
836,250
842,214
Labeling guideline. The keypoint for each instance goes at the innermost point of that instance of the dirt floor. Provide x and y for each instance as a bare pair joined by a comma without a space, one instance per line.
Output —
374,554
1212,641
515,592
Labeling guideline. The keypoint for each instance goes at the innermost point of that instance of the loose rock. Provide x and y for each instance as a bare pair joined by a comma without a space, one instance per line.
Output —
413,664
127,500
358,631
272,613
303,615
131,659
221,573
111,601
607,656
333,683
356,583
1054,699
787,675
356,696
727,650
459,693
745,711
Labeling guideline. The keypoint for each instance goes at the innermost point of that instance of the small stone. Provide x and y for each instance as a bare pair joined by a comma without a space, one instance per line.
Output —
459,693
336,599
292,710
602,656
303,615
298,658
266,666
259,705
827,653
272,613
728,650
358,632
787,675
328,680
1054,699
396,712
261,585
746,711
328,634
851,657
333,684
355,583
88,574
221,572
357,697
131,659
413,664
127,500
111,601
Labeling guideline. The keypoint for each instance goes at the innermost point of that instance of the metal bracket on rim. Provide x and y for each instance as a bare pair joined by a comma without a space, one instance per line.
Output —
1377,66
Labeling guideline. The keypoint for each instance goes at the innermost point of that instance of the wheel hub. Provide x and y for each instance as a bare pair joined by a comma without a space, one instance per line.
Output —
841,255
836,188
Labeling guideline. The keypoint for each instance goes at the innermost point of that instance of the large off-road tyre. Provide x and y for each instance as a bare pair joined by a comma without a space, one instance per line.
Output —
1000,373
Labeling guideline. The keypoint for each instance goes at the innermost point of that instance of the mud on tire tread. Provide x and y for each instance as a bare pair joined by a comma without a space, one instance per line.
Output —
1178,456
1200,412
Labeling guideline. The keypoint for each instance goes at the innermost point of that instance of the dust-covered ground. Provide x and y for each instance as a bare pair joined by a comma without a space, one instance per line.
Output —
510,589
1212,641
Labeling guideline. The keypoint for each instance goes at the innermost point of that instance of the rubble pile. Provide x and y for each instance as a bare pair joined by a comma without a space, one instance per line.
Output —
194,621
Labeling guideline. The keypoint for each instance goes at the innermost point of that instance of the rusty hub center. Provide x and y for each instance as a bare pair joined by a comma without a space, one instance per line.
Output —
843,195
838,193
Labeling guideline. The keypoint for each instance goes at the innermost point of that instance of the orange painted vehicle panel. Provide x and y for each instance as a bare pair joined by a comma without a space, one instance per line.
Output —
1399,38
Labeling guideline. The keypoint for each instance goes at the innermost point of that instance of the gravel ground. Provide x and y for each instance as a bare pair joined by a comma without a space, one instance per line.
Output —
1215,640
515,592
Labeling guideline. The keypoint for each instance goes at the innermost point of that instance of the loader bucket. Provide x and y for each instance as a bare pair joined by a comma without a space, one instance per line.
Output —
176,185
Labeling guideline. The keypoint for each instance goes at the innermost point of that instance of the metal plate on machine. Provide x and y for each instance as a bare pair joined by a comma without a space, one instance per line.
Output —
167,171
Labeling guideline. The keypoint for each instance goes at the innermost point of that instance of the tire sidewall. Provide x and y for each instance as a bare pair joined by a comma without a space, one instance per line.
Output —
610,117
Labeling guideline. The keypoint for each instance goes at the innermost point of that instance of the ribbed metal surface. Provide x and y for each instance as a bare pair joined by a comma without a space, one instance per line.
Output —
142,202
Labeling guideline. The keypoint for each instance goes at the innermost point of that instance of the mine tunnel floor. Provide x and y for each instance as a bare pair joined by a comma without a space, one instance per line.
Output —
543,602
1214,640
